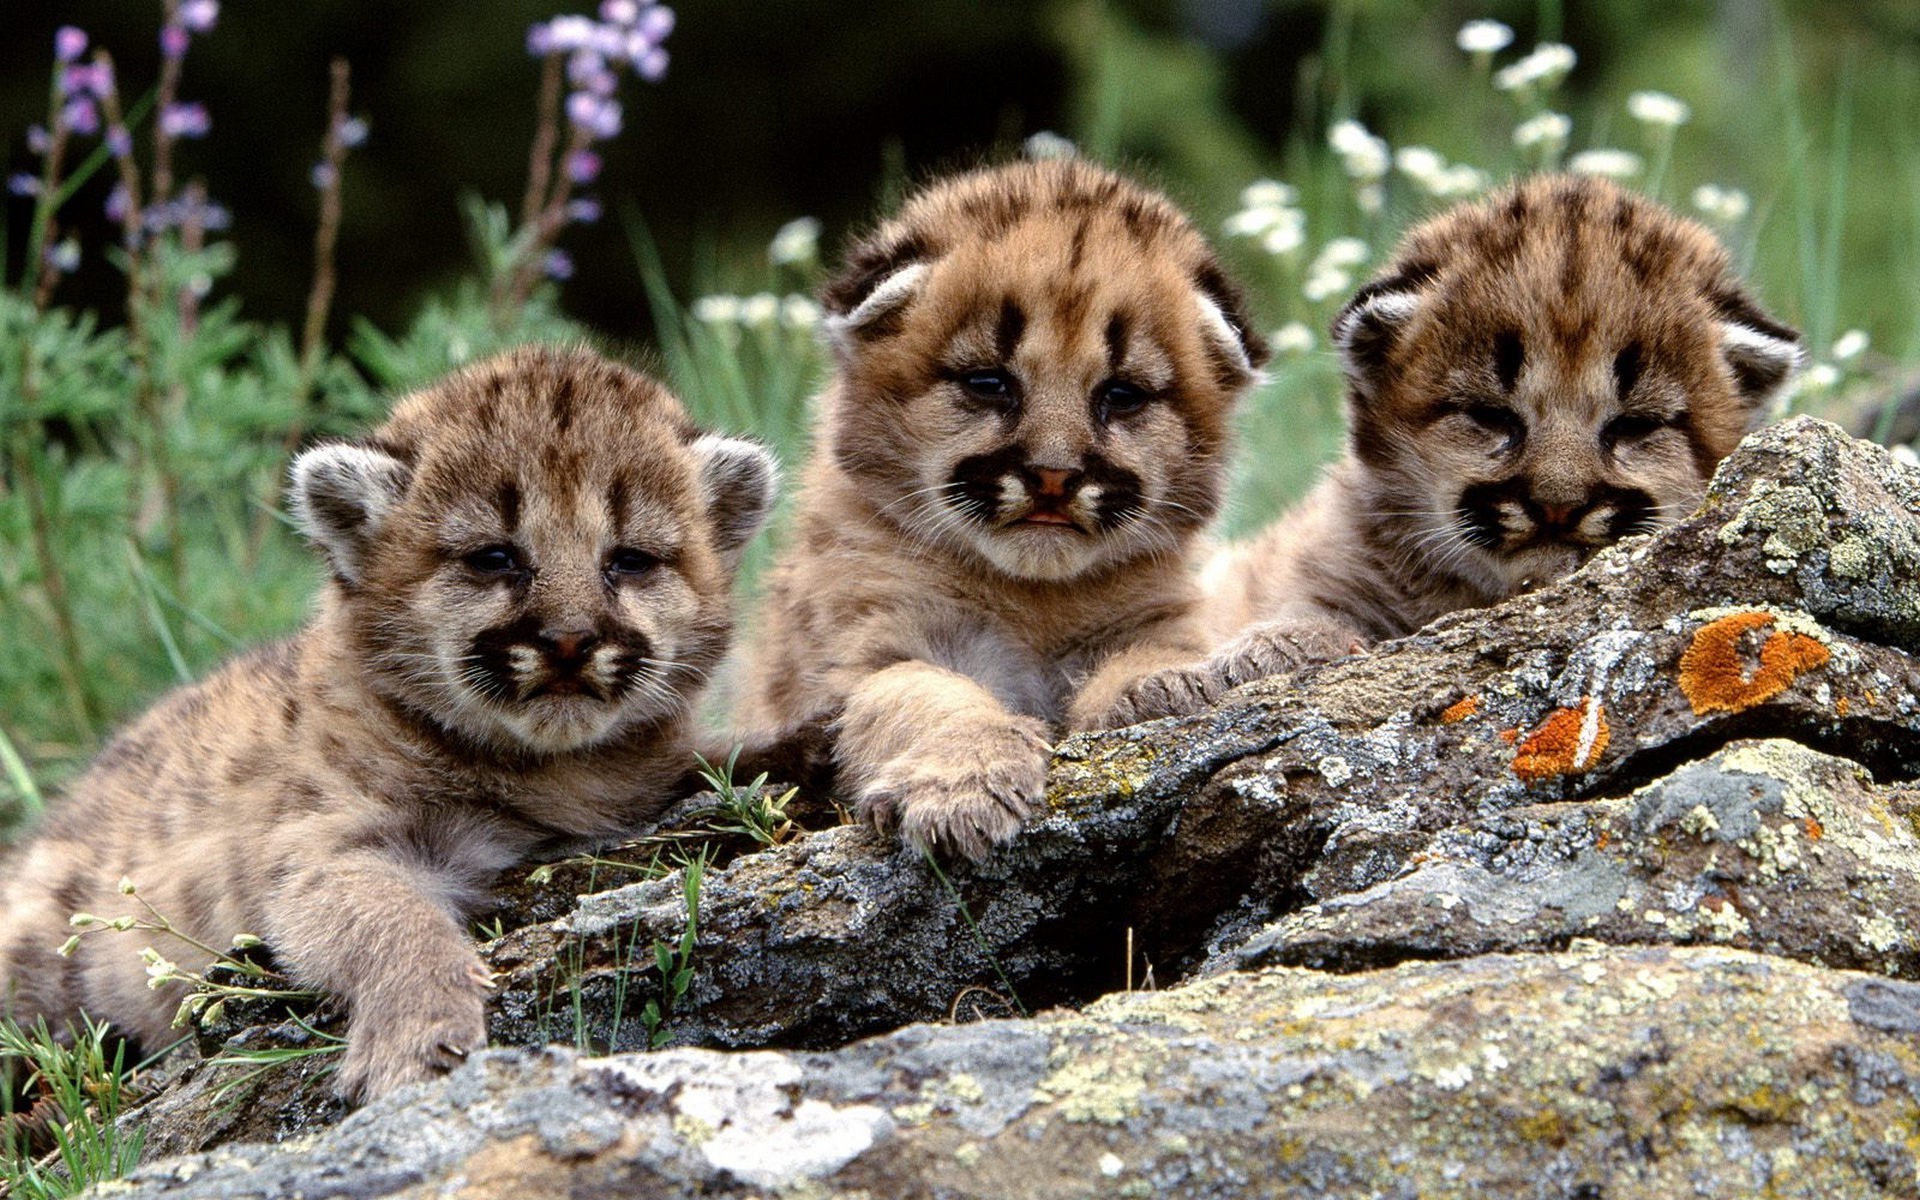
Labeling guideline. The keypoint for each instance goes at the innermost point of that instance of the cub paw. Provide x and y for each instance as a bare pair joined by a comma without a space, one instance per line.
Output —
1276,648
413,1036
965,794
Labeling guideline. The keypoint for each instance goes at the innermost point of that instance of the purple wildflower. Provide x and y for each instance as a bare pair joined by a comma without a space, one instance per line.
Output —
199,15
65,257
571,33
324,176
583,166
173,41
23,185
69,43
598,115
585,210
82,79
539,39
37,139
584,66
81,116
352,131
117,202
656,23
620,12
559,265
652,65
185,120
119,141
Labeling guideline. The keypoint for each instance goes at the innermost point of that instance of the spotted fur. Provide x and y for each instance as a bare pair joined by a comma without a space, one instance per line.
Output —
531,564
1026,428
1531,378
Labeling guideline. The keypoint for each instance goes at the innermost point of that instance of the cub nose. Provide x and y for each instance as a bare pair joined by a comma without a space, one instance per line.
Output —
568,646
1053,482
1558,516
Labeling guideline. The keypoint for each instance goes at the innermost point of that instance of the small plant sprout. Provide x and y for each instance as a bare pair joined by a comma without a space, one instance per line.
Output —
79,1091
751,810
674,960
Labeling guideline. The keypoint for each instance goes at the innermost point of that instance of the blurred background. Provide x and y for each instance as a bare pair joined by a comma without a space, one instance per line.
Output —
138,537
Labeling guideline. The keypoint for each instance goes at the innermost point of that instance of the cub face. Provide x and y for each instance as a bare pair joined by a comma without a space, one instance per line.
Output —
1037,366
1537,375
536,554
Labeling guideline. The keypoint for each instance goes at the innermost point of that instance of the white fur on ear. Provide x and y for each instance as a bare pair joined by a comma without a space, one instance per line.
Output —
1762,362
1220,331
1364,331
740,480
340,494
887,295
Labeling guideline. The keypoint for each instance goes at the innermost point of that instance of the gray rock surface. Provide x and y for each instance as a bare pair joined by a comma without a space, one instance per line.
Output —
1677,779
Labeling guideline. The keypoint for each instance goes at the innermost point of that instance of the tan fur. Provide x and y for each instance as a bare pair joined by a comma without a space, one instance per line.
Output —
347,794
919,602
1532,377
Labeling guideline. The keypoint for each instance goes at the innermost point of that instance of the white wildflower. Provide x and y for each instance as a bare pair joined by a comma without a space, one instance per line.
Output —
760,310
1658,109
246,941
1292,338
1460,180
1048,144
798,241
1371,198
160,971
1544,68
717,310
126,885
1849,345
1483,37
799,312
81,920
1324,283
1364,155
1286,236
1422,164
1341,252
1268,193
1549,131
69,946
1728,206
1820,377
1610,164
1905,456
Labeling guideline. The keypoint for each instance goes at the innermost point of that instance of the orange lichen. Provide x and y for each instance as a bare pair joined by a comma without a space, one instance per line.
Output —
1460,710
1815,830
1842,707
1569,742
1713,671
1603,839
1509,736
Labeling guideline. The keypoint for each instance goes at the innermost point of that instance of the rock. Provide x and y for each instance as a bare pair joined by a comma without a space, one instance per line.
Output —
1698,746
1597,1071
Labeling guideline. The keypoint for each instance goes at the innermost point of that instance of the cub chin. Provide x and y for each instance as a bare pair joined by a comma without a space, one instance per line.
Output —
1026,428
530,573
1530,379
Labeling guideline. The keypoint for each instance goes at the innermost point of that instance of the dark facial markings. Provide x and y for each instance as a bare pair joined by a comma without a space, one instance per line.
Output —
1481,506
1626,369
976,483
564,656
1011,328
1509,355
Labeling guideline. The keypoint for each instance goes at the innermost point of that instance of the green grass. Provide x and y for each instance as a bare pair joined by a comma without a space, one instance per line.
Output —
76,1088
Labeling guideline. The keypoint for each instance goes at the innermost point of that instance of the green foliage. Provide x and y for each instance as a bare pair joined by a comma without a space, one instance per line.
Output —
674,961
77,1090
750,811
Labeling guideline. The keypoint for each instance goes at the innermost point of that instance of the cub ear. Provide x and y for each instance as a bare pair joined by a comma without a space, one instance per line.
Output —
1762,354
1224,322
867,315
740,481
1365,330
341,494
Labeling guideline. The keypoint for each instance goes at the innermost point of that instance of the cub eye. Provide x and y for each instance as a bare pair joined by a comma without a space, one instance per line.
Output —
1117,398
1494,419
995,387
494,560
628,561
1630,428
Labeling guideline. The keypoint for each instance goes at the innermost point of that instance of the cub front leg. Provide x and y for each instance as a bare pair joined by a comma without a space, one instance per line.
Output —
380,932
1299,637
932,753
